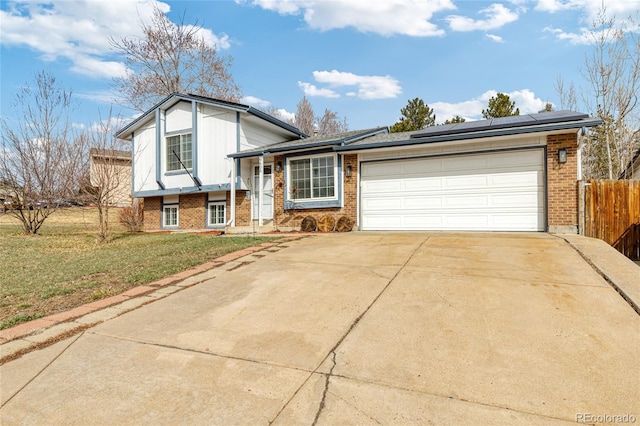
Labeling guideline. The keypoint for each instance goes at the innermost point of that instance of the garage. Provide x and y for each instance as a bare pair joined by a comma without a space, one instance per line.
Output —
488,191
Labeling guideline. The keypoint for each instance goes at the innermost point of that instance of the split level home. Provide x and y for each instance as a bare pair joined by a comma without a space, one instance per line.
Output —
203,163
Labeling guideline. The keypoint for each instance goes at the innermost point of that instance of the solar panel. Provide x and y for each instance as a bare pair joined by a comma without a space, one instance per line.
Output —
501,123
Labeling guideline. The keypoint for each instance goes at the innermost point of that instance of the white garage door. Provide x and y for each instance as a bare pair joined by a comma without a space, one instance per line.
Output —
492,192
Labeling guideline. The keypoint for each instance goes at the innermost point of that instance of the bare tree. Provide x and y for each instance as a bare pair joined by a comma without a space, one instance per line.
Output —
172,58
307,121
305,118
612,71
330,123
110,172
568,97
41,159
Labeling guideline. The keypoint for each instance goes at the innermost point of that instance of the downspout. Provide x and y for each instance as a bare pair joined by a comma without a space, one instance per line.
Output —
232,187
260,189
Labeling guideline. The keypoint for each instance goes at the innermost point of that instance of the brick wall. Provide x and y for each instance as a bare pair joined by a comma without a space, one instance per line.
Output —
293,218
562,185
243,208
193,211
152,213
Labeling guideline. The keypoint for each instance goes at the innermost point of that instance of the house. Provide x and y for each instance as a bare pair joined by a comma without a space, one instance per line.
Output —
201,162
632,171
112,168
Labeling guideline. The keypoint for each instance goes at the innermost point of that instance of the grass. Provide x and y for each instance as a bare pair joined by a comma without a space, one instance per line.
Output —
64,267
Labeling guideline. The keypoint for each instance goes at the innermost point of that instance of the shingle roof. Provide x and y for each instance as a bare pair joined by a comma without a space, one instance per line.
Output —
314,141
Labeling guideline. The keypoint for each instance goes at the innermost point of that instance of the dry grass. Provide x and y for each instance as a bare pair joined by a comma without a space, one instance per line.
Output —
64,267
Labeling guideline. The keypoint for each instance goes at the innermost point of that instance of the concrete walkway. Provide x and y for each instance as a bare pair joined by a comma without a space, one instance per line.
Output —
358,328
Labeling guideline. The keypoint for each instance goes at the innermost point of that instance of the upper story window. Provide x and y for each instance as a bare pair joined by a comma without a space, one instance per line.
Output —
312,178
181,145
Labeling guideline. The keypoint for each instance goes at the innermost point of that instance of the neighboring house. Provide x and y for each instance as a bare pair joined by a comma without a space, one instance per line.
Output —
632,171
113,168
244,167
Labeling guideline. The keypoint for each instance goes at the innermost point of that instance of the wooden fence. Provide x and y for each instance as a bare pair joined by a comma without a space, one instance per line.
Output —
612,214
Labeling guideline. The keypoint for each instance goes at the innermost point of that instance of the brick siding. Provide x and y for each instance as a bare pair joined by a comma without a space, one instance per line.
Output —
243,208
193,211
152,213
292,218
562,182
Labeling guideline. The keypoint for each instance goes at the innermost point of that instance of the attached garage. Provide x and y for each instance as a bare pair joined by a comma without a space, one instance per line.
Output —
488,191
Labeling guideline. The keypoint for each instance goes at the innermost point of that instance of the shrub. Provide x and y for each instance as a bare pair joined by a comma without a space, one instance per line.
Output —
132,218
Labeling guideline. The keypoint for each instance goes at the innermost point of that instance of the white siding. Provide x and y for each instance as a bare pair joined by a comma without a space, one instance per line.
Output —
253,135
144,158
178,117
216,139
454,147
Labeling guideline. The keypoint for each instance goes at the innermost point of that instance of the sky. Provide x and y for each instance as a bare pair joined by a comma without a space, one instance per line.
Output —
363,59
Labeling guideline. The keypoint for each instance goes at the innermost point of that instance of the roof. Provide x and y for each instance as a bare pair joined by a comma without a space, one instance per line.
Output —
510,126
111,153
628,170
174,98
313,142
510,122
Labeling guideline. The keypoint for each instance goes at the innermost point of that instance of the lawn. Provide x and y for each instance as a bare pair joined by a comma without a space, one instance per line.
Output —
63,267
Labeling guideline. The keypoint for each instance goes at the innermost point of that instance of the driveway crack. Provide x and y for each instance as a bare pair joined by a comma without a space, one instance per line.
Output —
332,352
327,378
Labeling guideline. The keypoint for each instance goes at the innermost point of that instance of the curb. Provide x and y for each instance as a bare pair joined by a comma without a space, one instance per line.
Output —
26,337
635,304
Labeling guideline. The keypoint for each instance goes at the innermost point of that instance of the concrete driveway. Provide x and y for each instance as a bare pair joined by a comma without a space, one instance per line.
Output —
358,328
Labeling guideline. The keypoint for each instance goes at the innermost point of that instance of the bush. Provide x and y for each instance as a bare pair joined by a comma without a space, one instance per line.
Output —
132,218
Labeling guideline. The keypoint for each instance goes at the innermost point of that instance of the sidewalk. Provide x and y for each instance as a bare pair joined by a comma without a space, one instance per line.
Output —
622,273
26,337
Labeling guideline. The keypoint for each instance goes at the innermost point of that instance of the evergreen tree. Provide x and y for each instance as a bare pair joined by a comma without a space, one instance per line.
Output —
500,106
415,116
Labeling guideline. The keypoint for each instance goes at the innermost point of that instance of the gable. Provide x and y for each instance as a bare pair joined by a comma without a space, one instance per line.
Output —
178,117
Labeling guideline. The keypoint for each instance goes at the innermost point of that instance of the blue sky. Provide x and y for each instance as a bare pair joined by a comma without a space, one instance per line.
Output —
363,59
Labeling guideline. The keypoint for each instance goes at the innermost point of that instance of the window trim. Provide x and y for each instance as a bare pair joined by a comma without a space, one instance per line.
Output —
164,215
222,203
180,134
336,184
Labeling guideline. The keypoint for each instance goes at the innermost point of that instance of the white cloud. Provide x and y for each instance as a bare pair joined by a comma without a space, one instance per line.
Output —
312,90
389,17
285,115
471,109
367,86
591,9
252,100
217,42
79,31
619,8
495,38
496,17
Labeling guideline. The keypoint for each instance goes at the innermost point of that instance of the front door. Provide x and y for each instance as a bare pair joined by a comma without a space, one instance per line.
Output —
267,193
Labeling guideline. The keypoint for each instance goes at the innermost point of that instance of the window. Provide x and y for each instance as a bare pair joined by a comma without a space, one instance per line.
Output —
312,178
217,214
170,214
181,145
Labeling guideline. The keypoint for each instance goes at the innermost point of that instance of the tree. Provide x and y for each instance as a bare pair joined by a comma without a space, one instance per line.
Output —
612,70
169,59
415,116
456,119
307,121
500,106
548,107
568,97
42,160
110,171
